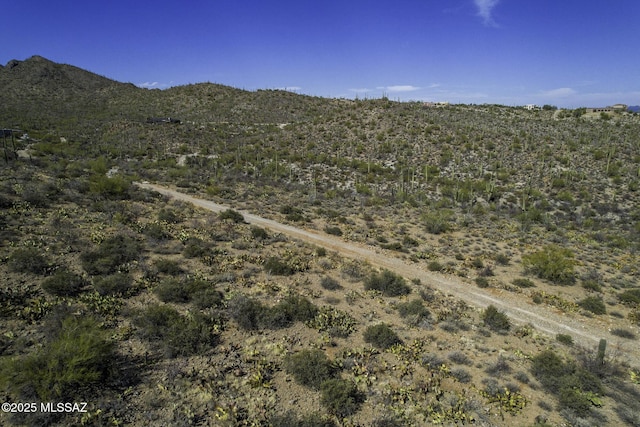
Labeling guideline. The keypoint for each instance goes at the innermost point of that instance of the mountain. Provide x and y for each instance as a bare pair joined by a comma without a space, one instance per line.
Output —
634,108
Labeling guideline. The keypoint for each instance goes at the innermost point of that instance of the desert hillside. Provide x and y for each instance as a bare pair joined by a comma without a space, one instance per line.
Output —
156,311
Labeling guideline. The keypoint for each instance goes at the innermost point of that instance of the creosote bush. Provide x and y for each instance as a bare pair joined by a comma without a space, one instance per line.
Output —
113,284
496,320
341,397
251,314
387,282
381,336
413,311
593,304
310,367
232,215
64,284
552,263
330,284
28,260
111,254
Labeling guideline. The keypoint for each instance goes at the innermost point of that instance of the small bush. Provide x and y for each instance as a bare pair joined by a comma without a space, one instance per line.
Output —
245,311
435,266
552,263
178,335
387,282
64,284
523,283
172,290
28,260
330,283
333,230
310,367
335,322
437,222
169,215
460,358
292,308
462,375
111,254
593,304
496,320
482,282
78,356
341,397
274,266
259,233
623,333
381,336
630,297
195,248
156,231
414,311
232,215
117,284
565,339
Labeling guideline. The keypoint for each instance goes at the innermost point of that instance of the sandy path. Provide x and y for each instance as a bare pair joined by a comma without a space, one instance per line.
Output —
584,331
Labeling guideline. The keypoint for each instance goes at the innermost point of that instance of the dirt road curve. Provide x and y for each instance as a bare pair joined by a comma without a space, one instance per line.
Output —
585,332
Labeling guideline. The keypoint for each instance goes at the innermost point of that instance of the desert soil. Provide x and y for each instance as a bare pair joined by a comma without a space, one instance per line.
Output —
585,331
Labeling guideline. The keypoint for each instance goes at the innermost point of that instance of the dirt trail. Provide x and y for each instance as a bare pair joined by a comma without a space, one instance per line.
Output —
586,332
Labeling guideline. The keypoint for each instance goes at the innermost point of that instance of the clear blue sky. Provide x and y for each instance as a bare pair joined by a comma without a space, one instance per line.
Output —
568,53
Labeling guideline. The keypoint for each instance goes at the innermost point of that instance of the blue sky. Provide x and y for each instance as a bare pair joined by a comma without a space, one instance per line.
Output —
569,53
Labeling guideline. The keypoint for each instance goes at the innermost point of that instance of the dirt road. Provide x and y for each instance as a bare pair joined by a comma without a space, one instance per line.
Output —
585,332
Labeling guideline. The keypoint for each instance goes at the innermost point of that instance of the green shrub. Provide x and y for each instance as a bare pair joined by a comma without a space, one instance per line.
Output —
552,263
482,282
414,311
273,265
593,304
309,367
523,283
115,187
172,290
387,282
28,260
177,335
630,297
246,311
169,215
156,231
293,308
435,266
111,254
259,233
565,339
118,284
495,320
623,333
78,356
330,284
341,397
333,230
232,215
64,284
381,336
437,222
195,247
168,266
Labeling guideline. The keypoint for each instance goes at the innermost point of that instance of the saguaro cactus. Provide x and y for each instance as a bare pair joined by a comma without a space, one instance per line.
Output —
602,347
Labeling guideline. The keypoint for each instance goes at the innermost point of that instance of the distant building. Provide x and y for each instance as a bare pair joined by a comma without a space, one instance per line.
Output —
531,107
610,109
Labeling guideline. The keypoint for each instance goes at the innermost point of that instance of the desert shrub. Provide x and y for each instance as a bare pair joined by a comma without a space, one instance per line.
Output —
387,282
167,266
292,308
330,284
246,311
115,187
195,247
565,339
177,335
502,259
157,231
575,387
495,320
462,375
592,285
552,263
381,336
333,230
114,284
460,358
28,260
275,266
172,290
259,233
413,311
232,215
482,282
623,333
435,266
630,297
341,397
310,367
79,356
437,222
206,297
593,304
499,368
111,254
169,215
64,283
523,283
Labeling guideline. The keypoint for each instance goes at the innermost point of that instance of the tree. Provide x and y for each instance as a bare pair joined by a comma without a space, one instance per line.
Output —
552,263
